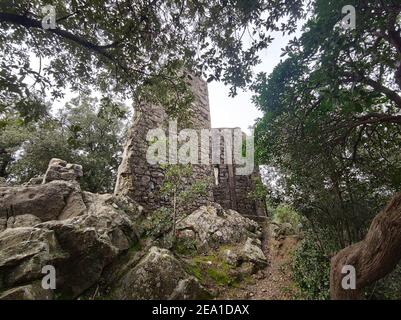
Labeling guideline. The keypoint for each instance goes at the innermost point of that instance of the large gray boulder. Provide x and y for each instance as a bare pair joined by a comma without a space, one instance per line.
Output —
252,252
57,224
92,242
50,201
158,275
79,248
211,227
28,292
61,170
59,196
23,253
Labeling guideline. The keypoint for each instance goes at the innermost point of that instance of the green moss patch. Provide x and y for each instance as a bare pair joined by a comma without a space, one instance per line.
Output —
212,270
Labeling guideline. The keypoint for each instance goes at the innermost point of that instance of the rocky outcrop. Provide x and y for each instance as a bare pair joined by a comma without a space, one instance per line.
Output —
80,234
228,245
58,197
79,248
57,224
23,253
212,226
93,242
159,275
90,247
252,252
50,201
61,170
29,292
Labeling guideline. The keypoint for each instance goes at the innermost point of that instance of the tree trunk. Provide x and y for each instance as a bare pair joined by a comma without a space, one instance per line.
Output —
5,159
174,215
372,258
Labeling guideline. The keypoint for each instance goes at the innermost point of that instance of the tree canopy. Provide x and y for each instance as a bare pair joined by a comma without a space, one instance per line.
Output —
116,46
123,49
87,131
331,118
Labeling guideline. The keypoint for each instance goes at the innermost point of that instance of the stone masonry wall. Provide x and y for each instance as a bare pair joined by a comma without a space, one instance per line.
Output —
232,190
142,181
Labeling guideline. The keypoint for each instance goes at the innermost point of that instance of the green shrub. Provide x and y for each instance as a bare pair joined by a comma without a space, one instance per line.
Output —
286,214
185,246
311,270
388,288
158,223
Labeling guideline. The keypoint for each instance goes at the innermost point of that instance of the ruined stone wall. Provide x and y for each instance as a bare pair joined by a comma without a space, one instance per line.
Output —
140,180
244,185
232,190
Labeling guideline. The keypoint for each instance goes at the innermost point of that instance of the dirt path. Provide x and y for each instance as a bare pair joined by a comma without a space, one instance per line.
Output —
274,282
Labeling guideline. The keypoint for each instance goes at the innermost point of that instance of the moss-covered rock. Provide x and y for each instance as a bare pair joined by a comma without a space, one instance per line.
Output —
158,275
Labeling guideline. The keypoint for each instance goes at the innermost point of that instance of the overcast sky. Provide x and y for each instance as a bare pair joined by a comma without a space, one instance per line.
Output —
239,111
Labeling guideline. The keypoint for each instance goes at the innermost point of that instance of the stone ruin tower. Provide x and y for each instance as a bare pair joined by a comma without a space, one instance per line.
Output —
141,181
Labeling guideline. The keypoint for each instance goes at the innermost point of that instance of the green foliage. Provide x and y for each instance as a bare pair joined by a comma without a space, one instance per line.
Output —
331,123
388,288
196,270
220,276
180,189
125,49
88,132
16,125
286,214
158,223
185,246
119,46
311,270
260,190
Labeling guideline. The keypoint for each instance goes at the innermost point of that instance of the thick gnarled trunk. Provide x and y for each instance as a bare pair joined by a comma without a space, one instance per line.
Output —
374,257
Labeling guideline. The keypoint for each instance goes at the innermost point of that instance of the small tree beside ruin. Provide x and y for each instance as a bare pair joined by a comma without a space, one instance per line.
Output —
180,189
